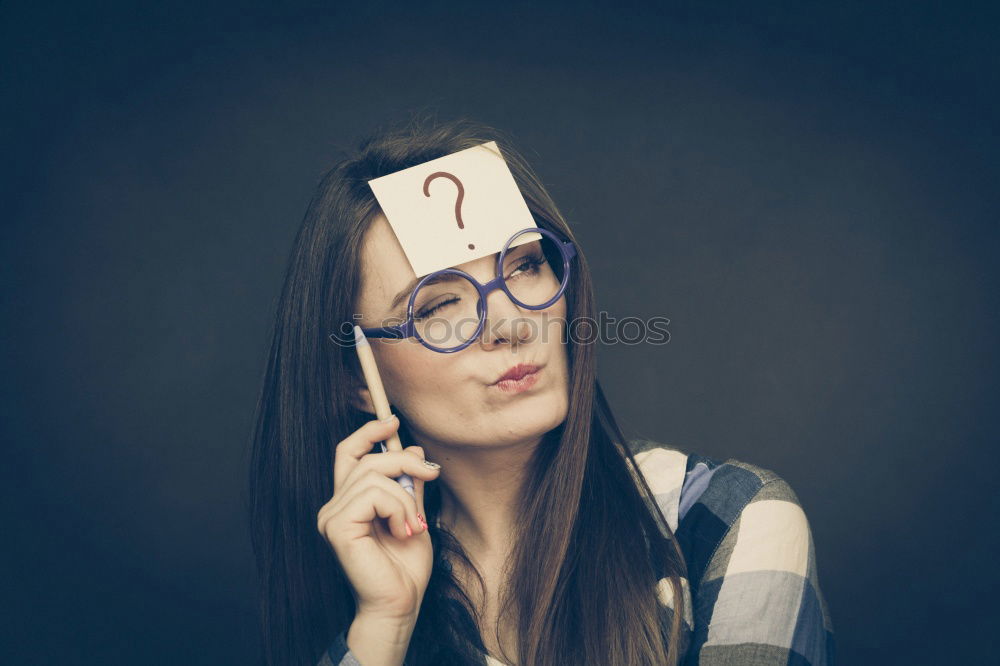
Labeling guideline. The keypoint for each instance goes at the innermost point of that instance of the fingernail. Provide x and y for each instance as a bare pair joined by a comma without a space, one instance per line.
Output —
409,532
422,521
389,418
432,465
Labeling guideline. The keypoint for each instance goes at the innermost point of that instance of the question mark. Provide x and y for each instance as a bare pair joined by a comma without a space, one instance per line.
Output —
458,201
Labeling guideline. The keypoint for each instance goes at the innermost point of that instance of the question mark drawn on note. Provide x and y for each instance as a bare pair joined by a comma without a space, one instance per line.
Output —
458,201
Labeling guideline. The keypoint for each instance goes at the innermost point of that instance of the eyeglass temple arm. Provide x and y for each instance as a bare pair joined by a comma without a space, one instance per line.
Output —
385,332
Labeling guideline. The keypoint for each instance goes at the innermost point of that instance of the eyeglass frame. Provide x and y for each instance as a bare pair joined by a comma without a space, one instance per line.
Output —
408,329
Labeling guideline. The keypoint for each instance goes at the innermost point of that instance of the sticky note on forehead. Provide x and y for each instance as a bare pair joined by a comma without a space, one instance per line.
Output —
454,208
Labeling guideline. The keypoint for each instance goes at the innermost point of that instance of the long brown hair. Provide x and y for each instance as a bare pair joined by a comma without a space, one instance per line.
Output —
591,543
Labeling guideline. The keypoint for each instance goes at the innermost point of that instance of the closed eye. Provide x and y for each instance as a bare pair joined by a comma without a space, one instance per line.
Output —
428,312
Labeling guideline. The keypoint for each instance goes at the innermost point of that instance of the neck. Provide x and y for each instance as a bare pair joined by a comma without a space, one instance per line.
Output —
480,492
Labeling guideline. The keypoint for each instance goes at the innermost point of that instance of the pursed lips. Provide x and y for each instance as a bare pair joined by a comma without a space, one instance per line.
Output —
519,372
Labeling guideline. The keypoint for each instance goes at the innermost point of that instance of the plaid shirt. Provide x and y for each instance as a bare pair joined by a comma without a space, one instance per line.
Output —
752,595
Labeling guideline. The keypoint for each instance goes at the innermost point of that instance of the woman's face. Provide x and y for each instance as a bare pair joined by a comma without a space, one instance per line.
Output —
451,399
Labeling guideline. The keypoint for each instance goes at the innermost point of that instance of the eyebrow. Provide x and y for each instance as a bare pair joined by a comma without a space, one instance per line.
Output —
408,289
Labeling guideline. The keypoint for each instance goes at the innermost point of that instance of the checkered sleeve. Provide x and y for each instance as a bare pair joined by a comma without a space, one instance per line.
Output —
752,564
338,654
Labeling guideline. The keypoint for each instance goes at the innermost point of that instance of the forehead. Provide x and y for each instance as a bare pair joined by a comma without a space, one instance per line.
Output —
384,266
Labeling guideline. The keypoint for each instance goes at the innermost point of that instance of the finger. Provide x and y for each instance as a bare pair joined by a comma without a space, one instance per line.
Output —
386,468
373,501
365,476
392,464
418,482
339,508
391,486
431,473
418,490
356,445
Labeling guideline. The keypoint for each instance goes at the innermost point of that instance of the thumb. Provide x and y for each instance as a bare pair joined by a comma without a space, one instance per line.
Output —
418,489
418,483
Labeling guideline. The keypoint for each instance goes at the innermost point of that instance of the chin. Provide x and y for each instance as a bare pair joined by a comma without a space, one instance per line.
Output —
546,412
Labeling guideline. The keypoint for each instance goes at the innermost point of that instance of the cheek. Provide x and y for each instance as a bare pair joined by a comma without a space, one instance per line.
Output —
561,307
554,321
409,371
400,364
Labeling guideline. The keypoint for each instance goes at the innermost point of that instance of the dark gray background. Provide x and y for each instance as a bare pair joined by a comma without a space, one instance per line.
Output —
806,190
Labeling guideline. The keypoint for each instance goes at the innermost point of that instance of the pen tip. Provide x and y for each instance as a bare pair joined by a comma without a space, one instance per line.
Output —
359,337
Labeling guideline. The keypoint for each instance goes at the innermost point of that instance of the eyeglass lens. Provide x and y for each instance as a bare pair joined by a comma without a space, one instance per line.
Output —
446,309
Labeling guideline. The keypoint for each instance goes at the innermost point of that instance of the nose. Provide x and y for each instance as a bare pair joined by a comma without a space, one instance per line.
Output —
506,322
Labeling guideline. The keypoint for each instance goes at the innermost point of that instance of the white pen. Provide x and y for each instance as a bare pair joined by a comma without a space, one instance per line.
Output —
380,401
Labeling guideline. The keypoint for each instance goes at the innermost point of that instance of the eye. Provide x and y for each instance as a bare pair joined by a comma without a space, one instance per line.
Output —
529,264
427,312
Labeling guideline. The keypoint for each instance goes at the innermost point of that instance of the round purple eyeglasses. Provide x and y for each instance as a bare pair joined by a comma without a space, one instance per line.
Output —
558,253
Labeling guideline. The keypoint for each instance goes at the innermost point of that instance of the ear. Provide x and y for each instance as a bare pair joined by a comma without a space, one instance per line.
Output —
361,399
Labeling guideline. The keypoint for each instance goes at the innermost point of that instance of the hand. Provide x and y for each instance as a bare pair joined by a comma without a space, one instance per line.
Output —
365,523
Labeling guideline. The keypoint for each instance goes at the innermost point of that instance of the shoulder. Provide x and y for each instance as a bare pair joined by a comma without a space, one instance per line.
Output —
688,478
707,502
750,558
664,468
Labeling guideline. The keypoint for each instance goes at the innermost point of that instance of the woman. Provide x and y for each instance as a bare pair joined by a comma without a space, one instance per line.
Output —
535,542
